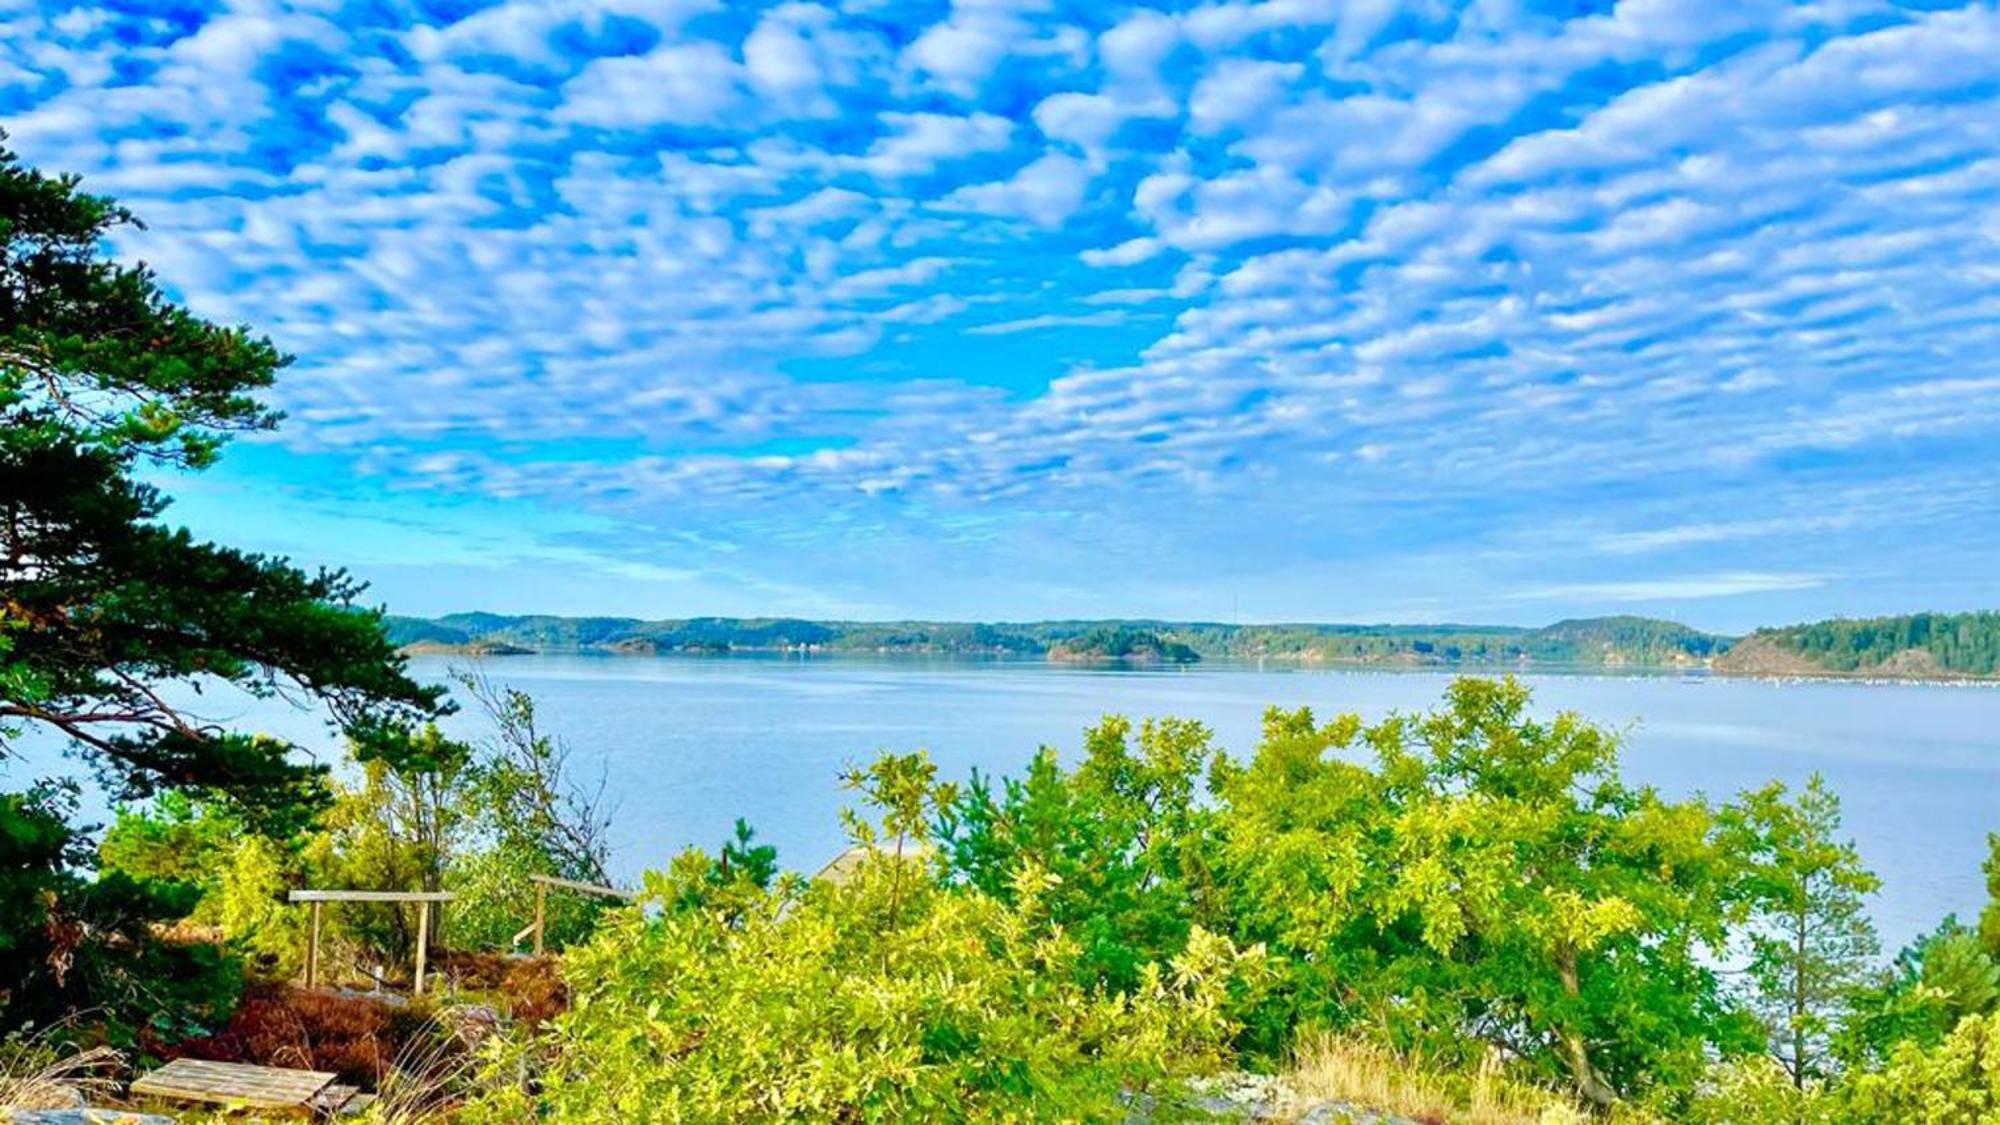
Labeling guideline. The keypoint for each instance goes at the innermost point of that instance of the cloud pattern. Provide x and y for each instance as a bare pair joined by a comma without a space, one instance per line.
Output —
1433,309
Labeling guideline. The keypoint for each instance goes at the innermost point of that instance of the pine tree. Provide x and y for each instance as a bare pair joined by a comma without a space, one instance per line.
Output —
1811,943
109,616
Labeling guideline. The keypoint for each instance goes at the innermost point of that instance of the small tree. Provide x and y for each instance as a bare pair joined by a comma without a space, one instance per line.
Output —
1121,835
525,813
1811,943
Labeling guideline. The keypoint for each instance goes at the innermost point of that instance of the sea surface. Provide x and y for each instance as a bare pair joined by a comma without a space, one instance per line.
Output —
686,745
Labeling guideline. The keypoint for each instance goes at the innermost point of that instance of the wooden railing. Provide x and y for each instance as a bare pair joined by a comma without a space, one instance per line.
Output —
423,899
542,885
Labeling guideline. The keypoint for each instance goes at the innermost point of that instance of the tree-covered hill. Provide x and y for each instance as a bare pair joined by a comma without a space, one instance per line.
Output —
1914,645
1590,642
1114,643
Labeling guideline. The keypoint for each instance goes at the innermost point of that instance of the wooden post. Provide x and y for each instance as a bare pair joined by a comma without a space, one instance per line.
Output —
312,950
423,941
541,913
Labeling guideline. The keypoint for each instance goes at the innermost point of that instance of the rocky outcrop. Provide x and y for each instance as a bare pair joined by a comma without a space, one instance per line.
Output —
1758,655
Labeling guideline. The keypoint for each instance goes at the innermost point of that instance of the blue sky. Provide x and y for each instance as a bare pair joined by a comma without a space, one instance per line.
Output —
1340,311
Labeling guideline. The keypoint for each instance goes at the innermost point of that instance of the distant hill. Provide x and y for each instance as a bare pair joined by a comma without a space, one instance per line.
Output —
1629,640
1913,646
1588,642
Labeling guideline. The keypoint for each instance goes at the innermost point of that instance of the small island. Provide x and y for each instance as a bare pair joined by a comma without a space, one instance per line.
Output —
1116,645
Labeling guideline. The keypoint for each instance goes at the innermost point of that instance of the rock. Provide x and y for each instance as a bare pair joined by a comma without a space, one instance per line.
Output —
472,1024
87,1115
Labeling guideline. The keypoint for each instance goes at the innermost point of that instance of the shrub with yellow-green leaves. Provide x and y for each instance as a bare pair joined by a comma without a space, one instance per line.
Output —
886,997
1956,1082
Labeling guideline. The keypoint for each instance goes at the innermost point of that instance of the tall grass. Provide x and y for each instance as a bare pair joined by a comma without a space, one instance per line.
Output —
1347,1069
37,1073
429,1076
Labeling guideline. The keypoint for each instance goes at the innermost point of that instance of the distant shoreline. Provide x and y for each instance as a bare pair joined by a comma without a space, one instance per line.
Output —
1915,648
1224,664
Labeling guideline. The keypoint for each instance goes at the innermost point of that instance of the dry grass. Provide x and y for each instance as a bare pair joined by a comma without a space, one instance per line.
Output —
430,1073
1345,1069
36,1074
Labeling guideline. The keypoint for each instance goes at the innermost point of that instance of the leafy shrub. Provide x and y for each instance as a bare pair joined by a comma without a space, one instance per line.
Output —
888,995
1121,835
1956,1082
1755,1090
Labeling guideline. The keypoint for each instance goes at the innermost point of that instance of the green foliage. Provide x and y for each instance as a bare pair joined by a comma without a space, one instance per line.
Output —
1120,836
1117,642
521,812
37,849
887,996
107,614
1989,916
71,942
1811,944
1938,981
250,905
1962,643
1759,1090
1955,1082
1591,641
177,837
1490,880
729,883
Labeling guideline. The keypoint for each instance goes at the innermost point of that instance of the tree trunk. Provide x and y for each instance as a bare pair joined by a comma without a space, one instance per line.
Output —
1800,1003
1589,1083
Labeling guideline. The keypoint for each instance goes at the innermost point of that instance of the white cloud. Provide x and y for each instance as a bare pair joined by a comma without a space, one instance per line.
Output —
1130,252
1048,320
919,142
1474,257
1726,584
676,83
1239,92
1045,192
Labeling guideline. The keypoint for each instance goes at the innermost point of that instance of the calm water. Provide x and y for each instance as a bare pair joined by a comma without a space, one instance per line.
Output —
690,744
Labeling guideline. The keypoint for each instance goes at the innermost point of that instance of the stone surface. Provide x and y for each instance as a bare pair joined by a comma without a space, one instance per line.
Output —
87,1115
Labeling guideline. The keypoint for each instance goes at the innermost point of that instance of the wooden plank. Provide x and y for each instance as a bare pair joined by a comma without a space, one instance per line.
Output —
371,896
312,950
235,1084
423,943
586,888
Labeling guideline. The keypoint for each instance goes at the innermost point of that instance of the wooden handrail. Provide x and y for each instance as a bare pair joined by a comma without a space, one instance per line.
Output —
586,888
542,885
371,896
423,899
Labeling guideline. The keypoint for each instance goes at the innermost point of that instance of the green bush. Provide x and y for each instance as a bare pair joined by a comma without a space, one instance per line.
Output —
889,995
1956,1082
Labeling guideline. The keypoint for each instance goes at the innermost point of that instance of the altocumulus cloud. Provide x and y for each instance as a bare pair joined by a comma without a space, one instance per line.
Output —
1441,310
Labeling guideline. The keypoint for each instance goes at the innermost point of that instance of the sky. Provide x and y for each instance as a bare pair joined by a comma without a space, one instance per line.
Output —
1352,311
